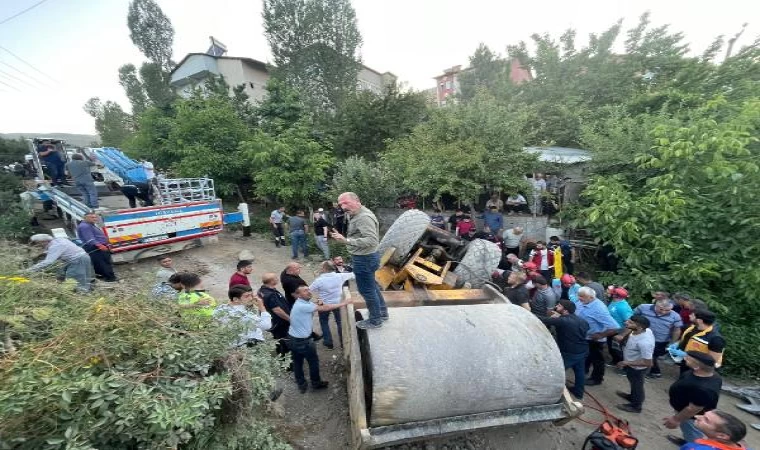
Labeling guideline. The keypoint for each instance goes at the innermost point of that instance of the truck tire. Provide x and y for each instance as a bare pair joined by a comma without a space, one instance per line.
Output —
403,234
480,260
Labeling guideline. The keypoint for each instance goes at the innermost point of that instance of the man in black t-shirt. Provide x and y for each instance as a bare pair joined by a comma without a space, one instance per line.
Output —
321,228
695,392
454,219
279,307
571,332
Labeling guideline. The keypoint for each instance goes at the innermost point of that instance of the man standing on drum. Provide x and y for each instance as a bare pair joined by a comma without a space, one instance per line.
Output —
362,240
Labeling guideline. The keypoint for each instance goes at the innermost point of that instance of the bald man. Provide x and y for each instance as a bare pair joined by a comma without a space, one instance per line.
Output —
362,240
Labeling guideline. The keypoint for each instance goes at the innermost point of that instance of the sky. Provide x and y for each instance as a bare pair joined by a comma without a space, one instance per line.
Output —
72,49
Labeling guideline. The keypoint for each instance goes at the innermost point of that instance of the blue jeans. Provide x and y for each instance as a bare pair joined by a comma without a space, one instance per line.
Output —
322,244
365,267
690,431
578,364
324,322
89,194
298,240
303,349
56,169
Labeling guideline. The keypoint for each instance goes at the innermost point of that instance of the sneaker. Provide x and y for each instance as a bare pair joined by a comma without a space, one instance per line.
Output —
320,385
629,408
653,376
366,325
623,395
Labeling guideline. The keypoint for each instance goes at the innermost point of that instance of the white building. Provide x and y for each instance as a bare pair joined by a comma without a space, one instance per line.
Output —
196,68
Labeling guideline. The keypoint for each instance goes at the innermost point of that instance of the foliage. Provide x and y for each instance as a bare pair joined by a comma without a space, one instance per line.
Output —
487,68
291,166
111,122
151,32
14,221
281,108
133,88
13,150
367,120
462,150
114,372
372,181
315,46
692,223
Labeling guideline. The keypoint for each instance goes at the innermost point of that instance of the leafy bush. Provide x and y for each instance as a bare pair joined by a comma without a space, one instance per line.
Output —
120,371
14,221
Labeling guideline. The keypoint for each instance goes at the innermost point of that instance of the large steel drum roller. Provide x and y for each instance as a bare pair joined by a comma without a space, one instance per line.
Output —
434,362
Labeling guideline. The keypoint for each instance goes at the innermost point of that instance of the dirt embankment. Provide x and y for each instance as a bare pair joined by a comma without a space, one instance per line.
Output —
319,420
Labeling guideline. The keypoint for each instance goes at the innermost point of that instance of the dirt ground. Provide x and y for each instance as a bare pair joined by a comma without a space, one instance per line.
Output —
319,420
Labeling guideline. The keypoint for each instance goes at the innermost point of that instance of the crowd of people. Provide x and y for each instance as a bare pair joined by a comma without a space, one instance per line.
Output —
596,328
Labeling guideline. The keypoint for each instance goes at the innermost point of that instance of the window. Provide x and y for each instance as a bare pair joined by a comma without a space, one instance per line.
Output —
448,84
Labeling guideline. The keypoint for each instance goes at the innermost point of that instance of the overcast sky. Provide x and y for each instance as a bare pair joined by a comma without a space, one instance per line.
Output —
78,45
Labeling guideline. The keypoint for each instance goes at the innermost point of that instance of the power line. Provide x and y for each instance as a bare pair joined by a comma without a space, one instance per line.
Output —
12,87
8,19
24,74
16,78
28,64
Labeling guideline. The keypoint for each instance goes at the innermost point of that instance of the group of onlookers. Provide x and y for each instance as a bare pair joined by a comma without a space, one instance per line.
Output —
591,322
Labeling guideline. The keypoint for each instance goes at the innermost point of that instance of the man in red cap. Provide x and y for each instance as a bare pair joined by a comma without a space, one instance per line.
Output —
621,311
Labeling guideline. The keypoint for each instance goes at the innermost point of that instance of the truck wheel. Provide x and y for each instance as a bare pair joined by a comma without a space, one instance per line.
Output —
480,260
403,234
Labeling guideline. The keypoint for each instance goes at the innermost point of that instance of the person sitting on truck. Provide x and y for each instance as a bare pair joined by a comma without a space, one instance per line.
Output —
79,169
74,262
95,243
54,162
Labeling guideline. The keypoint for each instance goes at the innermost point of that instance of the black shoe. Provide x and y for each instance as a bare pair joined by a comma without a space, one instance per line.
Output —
303,388
316,337
320,385
623,395
329,346
629,408
676,440
112,280
653,376
593,382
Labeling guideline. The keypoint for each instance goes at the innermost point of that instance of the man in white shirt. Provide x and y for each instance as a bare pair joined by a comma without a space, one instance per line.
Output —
72,262
637,358
516,203
329,288
237,312
512,239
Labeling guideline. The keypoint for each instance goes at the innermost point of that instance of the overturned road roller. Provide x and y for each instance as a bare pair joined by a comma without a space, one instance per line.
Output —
449,361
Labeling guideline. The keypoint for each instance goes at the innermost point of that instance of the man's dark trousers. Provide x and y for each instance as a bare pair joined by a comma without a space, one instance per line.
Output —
303,348
101,262
636,380
660,348
595,359
578,364
364,269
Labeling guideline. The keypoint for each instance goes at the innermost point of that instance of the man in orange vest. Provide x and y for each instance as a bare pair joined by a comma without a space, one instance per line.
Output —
702,336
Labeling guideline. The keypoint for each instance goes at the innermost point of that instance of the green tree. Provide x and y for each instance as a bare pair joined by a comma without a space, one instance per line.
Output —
372,181
486,70
692,224
13,150
134,88
367,120
291,167
315,45
111,122
151,32
281,108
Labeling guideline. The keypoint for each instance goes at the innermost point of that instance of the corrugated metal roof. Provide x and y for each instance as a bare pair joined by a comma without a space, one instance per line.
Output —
562,155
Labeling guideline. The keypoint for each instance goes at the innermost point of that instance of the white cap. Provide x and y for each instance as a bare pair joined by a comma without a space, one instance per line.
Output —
321,210
41,238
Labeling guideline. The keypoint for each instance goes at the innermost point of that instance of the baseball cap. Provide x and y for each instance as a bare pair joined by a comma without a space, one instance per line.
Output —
704,358
530,266
321,210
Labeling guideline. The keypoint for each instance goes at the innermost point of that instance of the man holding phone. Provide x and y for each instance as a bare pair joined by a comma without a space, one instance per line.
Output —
362,239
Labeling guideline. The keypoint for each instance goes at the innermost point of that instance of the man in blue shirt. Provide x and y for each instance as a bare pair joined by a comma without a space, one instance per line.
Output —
665,325
601,325
493,220
53,161
299,337
95,243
